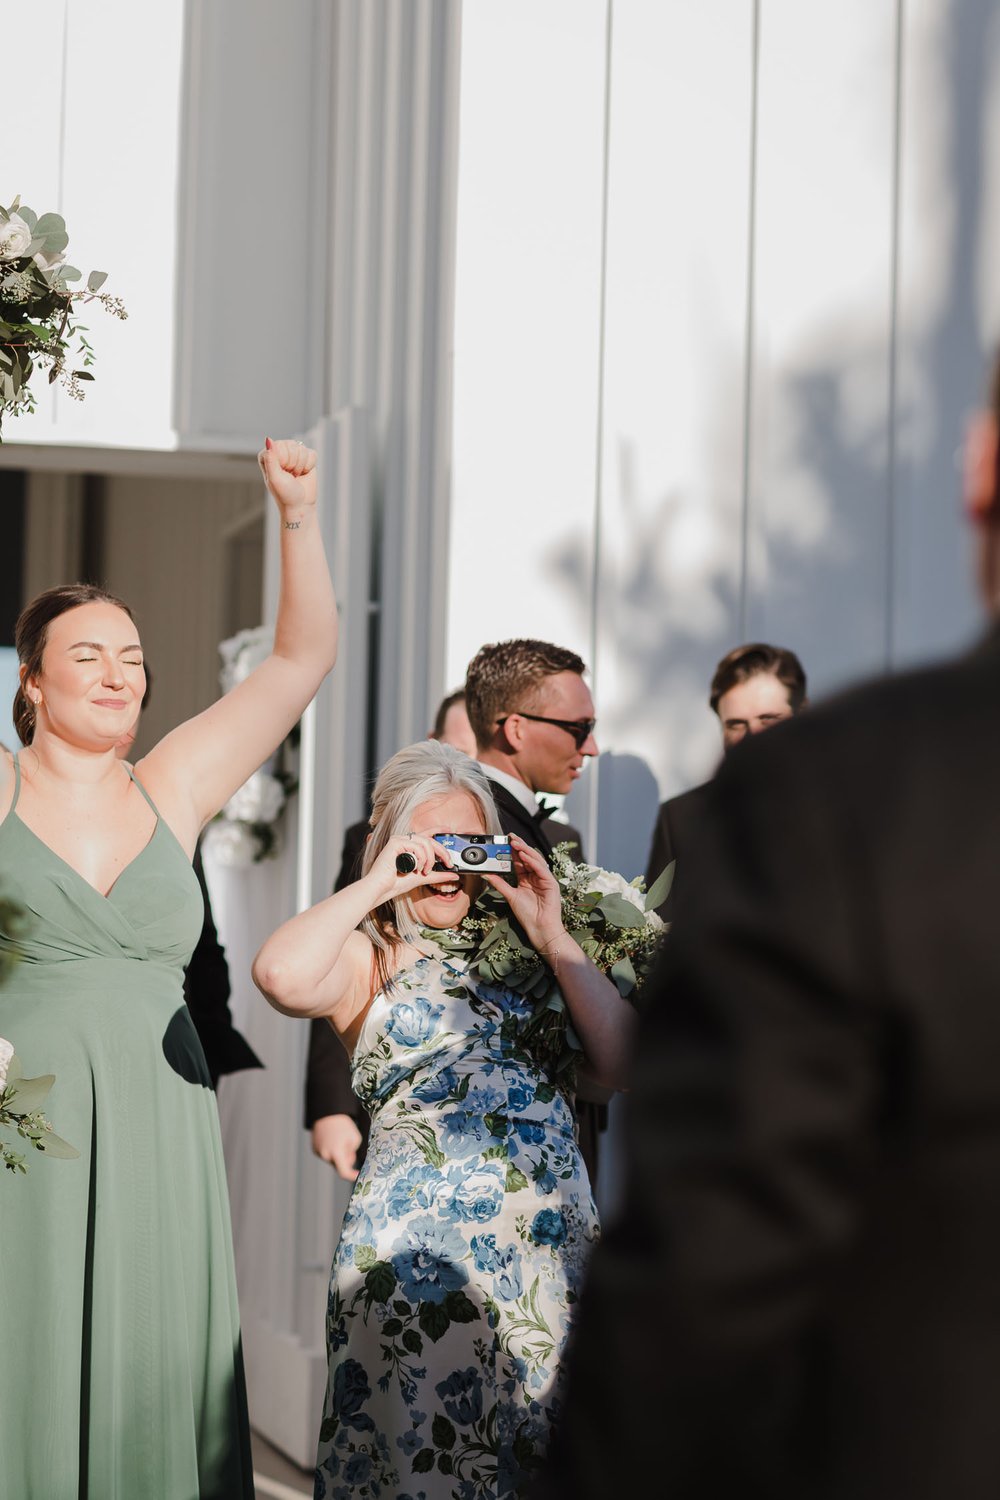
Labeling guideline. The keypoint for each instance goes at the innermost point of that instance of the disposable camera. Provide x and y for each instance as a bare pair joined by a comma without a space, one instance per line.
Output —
478,853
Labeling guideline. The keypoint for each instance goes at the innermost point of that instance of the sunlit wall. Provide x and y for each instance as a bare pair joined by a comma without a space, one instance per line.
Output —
724,295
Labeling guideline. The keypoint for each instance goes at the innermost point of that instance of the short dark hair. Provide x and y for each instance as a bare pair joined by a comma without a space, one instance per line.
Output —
444,708
31,631
505,678
744,662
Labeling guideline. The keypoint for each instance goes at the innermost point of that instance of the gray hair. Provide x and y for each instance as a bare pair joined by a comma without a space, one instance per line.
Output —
413,776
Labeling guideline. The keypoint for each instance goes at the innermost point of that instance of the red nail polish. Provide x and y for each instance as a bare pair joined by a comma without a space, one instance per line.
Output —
268,443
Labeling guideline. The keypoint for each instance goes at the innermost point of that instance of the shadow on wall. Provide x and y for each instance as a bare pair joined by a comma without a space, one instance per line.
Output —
857,566
628,798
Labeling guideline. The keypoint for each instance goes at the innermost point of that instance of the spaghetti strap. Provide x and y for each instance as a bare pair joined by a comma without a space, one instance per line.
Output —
17,784
142,789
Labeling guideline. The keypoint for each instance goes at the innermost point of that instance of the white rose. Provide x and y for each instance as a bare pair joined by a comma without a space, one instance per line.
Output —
610,883
48,260
230,844
6,1053
258,800
15,237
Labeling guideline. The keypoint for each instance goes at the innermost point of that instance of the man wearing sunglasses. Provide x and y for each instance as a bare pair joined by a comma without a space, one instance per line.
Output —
533,718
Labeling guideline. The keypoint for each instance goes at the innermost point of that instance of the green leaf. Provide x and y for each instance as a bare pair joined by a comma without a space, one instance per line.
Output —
54,1145
445,1464
412,1341
545,1093
660,889
442,1432
402,1307
69,273
26,1094
365,1257
623,975
497,1124
516,1179
96,280
328,1431
50,224
391,1327
434,1320
424,1461
620,912
460,1308
30,217
83,375
381,1281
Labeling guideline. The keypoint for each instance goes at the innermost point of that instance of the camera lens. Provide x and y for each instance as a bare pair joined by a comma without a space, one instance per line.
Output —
473,855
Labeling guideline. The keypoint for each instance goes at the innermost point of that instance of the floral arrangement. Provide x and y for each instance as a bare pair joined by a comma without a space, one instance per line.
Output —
37,323
613,920
248,828
21,1101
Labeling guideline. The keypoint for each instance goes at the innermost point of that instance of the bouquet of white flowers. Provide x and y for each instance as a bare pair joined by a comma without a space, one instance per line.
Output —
37,303
21,1101
613,920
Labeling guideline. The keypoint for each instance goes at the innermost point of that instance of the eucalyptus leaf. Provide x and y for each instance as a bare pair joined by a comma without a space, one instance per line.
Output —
624,976
660,889
27,1094
96,280
50,224
30,217
54,1145
69,273
620,912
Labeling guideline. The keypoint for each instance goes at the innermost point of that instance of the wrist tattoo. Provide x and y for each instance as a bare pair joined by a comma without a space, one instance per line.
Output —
291,525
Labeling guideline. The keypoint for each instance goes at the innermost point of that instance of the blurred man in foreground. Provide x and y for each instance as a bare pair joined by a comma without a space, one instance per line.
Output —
801,1297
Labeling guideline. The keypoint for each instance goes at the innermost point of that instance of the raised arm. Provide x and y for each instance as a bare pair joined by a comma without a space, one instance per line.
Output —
604,1022
196,768
316,964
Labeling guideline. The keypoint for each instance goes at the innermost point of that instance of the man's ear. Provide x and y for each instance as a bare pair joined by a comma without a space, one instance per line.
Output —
981,469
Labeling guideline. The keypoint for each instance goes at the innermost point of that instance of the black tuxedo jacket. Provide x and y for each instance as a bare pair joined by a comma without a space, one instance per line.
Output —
328,1069
206,992
675,835
801,1297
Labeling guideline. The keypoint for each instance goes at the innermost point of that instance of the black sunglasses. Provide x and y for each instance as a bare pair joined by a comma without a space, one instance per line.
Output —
580,729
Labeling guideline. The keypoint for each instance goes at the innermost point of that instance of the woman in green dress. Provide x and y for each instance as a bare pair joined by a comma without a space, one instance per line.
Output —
119,1326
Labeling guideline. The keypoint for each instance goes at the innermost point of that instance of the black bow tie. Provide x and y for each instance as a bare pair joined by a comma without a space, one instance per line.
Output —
545,810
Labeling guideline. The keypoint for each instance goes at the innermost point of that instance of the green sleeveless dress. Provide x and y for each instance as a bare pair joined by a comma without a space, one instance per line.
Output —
121,1373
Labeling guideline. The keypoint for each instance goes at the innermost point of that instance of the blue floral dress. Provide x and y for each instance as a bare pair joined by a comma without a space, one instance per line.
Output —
461,1255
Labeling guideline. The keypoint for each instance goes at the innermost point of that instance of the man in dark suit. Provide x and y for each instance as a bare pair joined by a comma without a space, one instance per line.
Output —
754,687
800,1298
533,718
334,1116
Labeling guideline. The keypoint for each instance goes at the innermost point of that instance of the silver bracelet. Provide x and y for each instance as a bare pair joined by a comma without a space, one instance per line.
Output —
291,525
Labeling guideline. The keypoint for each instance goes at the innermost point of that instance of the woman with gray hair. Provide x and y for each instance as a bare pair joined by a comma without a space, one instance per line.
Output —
465,1241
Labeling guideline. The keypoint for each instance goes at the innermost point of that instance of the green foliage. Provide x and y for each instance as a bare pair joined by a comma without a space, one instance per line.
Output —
38,322
21,1101
612,920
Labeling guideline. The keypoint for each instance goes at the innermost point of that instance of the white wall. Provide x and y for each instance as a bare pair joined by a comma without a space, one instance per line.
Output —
754,437
92,98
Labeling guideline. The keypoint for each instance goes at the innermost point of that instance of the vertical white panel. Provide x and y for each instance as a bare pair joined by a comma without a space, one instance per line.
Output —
253,263
818,564
669,565
526,324
100,147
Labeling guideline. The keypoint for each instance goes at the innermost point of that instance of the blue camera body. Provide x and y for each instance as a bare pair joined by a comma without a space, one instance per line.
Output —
478,853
